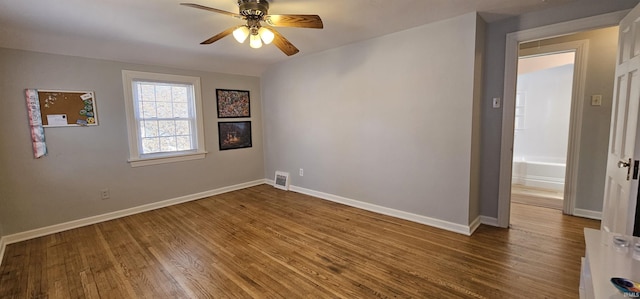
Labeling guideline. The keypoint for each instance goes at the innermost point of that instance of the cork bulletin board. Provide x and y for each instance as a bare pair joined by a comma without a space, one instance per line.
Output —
61,108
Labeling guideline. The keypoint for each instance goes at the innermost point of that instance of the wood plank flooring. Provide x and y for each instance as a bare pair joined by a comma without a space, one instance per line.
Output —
262,242
537,196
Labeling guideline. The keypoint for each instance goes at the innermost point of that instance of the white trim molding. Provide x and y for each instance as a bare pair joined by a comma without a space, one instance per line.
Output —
587,214
570,181
474,225
56,228
486,220
446,225
195,118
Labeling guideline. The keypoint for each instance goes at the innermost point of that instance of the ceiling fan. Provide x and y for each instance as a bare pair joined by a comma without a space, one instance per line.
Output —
255,12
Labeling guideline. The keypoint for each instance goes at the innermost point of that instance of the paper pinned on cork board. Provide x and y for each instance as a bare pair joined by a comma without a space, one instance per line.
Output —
57,120
86,96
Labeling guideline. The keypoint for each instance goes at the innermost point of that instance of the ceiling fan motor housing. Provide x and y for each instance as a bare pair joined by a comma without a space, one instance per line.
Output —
253,9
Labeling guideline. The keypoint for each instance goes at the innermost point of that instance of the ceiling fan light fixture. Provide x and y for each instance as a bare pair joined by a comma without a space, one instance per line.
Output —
241,34
254,12
266,35
254,41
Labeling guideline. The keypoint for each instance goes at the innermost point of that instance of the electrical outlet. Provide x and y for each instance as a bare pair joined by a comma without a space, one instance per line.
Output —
104,194
301,172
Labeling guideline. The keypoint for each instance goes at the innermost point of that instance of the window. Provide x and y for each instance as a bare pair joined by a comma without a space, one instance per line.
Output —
164,118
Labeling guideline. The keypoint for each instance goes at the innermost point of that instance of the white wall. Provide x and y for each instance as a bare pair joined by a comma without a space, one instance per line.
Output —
65,185
547,107
387,121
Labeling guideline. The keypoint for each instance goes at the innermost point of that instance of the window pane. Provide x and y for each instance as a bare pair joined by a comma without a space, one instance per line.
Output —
149,128
184,143
167,128
183,127
167,144
181,110
147,92
163,92
165,109
179,94
150,145
148,110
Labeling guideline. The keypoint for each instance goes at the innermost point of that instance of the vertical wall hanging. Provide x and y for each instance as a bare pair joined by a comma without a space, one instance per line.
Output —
35,123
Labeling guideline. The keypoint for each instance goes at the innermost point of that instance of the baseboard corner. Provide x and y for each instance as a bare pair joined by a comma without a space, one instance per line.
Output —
473,226
492,221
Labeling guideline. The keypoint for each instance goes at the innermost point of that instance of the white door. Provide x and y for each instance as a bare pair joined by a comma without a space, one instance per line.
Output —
620,187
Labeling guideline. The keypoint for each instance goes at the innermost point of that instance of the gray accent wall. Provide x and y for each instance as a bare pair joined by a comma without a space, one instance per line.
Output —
494,85
387,121
65,185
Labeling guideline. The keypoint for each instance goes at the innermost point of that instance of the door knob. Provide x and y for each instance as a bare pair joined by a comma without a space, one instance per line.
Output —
627,164
622,164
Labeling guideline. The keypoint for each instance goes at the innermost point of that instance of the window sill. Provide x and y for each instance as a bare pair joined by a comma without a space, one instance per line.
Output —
162,159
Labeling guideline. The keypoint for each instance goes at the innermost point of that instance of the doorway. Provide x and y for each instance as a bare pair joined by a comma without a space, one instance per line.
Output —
541,127
577,151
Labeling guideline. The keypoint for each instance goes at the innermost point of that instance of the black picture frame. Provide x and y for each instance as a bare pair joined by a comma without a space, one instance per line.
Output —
232,103
234,135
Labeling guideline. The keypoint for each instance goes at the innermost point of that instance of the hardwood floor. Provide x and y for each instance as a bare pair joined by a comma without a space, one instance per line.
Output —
262,242
537,196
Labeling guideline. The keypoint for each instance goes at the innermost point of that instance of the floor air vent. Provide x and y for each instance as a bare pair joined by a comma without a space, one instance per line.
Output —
282,180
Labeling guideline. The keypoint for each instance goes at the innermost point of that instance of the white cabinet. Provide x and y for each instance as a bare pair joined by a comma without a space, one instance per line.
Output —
604,260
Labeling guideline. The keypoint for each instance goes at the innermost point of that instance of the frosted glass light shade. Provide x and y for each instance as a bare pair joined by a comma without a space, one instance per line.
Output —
266,35
241,34
254,41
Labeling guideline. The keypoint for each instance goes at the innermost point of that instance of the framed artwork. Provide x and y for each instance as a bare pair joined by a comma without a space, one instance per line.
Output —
233,103
233,135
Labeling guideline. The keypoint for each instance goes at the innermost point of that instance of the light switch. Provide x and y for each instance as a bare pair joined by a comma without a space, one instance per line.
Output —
496,102
596,100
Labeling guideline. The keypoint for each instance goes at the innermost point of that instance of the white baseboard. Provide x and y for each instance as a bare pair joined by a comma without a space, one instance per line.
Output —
474,225
450,226
270,182
587,214
540,182
454,227
39,232
489,220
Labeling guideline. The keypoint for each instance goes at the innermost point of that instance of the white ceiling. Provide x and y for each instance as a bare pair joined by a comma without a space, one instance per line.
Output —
162,32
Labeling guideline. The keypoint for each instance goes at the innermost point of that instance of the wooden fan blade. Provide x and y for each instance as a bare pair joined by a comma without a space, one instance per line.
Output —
219,36
282,43
224,12
300,21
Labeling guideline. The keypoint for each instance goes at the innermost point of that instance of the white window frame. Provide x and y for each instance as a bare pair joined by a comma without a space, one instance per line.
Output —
137,159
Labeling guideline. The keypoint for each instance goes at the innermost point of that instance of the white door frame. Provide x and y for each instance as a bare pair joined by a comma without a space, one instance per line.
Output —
508,109
580,48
